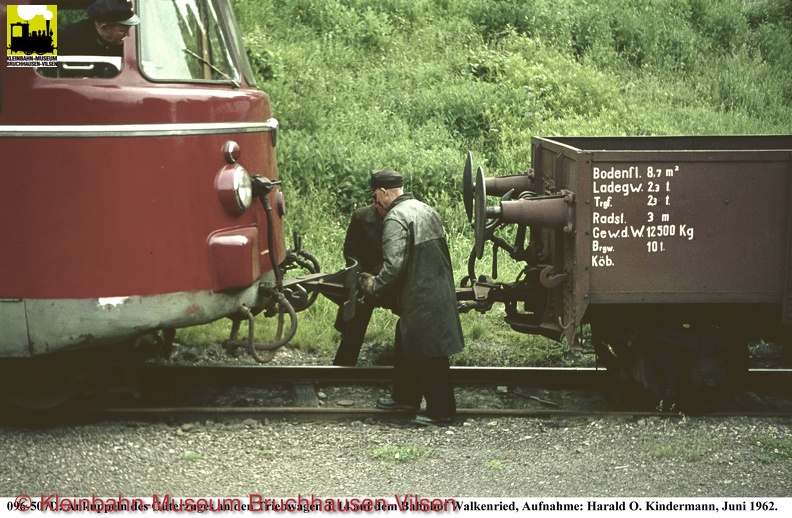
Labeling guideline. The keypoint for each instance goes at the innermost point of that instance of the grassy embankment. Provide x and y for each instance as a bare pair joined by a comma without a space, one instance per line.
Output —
415,84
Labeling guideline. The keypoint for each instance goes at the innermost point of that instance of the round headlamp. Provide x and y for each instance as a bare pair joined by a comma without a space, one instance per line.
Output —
234,189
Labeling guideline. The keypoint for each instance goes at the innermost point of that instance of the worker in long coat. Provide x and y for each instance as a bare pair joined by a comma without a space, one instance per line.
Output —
417,269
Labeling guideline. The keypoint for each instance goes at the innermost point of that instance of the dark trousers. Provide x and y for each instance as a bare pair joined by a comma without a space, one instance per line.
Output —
430,379
352,334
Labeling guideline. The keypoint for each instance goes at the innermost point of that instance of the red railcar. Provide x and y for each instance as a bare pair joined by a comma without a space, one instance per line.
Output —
134,190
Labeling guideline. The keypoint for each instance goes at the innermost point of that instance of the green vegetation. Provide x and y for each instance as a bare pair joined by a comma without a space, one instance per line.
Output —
688,449
770,449
406,453
766,449
496,464
414,84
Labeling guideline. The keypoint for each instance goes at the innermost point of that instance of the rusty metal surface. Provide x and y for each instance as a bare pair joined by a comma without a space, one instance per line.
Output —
552,211
340,287
59,324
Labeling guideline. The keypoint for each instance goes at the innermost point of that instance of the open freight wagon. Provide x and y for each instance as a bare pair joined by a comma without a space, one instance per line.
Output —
676,251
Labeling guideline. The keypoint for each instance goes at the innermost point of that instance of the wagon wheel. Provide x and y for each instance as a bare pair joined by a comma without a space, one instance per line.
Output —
41,400
666,373
697,369
42,383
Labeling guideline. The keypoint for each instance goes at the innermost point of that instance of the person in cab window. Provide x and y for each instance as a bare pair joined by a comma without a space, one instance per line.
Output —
102,33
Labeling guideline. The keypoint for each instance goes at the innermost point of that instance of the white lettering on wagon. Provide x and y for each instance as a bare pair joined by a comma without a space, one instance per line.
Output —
618,195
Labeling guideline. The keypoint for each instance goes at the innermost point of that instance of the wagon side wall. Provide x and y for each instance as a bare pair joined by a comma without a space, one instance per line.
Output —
672,220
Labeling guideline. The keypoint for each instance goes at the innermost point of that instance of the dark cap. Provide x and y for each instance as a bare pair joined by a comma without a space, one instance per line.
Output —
115,11
385,179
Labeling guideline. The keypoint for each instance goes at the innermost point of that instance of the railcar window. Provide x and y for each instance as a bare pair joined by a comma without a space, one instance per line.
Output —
185,40
236,39
79,66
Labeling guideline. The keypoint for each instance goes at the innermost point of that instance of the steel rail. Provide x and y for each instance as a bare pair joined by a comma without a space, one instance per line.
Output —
153,379
549,377
256,375
202,414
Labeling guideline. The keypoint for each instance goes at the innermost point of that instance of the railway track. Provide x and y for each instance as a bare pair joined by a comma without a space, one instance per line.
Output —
174,376
199,394
161,378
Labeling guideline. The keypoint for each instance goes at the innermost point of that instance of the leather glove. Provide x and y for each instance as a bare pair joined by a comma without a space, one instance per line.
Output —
366,284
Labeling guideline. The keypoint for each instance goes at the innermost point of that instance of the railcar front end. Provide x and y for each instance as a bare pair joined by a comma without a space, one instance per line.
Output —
139,192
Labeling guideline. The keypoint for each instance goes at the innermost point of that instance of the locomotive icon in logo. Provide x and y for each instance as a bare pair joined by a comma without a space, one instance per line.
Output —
35,33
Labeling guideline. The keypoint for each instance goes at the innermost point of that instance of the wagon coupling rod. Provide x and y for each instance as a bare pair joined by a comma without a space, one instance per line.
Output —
269,348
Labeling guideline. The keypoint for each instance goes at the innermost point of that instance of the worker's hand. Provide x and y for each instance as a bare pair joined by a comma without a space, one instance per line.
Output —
366,283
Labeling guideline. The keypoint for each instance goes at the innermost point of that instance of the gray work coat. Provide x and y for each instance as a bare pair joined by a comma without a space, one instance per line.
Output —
417,268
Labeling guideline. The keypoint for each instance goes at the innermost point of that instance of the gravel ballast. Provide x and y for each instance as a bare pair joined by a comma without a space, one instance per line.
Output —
580,457
565,457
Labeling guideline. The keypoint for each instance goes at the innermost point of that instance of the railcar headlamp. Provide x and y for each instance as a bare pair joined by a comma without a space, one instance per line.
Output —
234,189
243,188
